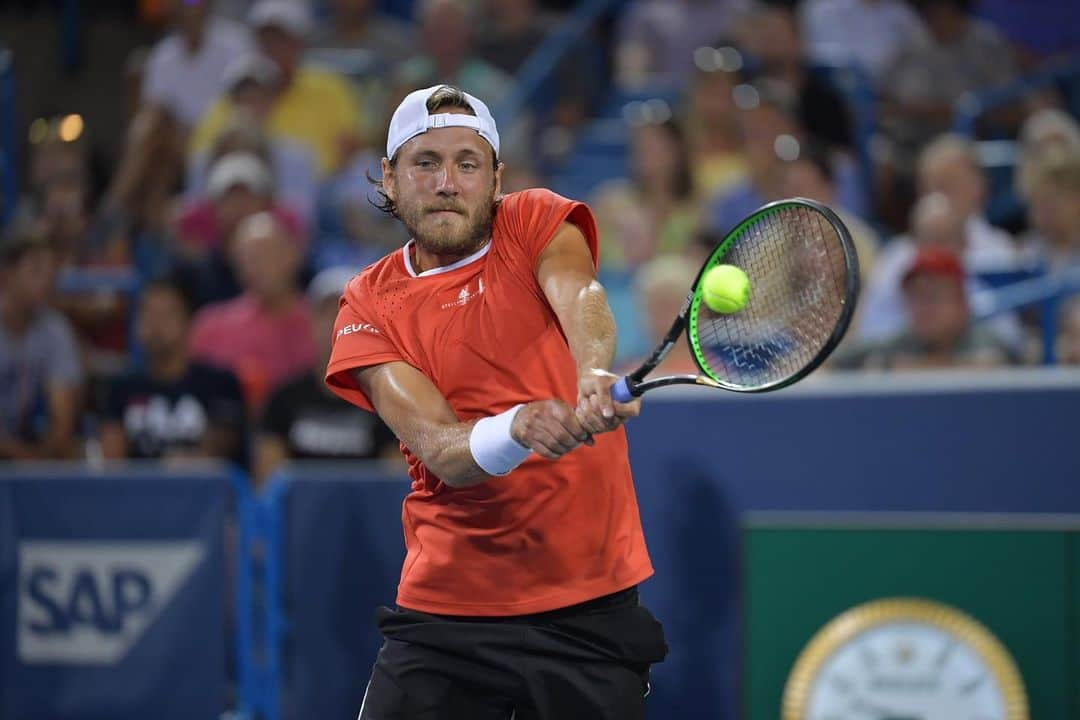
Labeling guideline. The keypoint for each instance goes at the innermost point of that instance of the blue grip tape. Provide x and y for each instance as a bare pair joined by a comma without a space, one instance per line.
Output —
620,391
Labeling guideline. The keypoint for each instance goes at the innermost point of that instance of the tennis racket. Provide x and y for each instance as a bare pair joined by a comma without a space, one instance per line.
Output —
804,276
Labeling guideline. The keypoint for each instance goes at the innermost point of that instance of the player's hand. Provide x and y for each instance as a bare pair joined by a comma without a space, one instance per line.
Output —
549,428
596,410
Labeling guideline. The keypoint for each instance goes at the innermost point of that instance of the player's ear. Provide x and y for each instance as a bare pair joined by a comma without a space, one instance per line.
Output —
498,179
388,179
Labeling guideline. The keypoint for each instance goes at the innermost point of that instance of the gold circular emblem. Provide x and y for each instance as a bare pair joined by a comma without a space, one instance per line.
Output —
903,657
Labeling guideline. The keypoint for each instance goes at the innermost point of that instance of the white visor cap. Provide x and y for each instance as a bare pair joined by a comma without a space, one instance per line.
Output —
412,118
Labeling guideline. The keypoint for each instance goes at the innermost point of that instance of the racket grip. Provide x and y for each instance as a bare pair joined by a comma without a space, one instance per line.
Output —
621,391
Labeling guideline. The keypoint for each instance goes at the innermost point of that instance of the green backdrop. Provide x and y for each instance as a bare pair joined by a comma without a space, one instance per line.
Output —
1022,583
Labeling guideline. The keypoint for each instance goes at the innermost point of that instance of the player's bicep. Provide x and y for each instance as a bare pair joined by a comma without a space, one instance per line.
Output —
565,266
406,400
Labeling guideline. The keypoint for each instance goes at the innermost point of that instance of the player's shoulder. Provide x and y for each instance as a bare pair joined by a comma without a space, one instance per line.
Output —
376,278
533,196
534,202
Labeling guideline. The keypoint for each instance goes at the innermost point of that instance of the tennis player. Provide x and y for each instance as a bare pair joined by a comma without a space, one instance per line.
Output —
485,345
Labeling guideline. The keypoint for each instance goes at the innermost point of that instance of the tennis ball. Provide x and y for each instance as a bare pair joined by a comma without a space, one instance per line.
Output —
725,289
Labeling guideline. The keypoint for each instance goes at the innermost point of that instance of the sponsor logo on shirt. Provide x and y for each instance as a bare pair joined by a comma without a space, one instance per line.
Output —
466,295
156,424
358,327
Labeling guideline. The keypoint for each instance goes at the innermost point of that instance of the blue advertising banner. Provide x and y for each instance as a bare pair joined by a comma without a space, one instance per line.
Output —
701,460
112,595
341,552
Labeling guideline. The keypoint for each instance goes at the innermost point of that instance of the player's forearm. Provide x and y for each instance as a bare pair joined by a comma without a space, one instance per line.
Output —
589,327
444,450
458,453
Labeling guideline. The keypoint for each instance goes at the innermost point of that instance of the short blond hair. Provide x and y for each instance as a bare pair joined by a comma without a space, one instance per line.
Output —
1050,123
1051,167
949,145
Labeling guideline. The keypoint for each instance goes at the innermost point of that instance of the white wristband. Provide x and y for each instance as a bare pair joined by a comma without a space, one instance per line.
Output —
492,446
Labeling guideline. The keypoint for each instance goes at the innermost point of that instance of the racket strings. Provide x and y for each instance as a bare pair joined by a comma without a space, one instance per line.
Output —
798,273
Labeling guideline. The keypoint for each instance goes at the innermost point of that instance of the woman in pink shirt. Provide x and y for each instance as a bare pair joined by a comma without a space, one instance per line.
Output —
264,335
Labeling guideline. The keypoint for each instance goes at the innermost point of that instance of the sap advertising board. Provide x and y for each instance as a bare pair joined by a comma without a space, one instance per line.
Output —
115,597
88,603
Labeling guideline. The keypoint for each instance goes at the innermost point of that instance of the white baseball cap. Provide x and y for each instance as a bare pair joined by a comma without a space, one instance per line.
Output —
289,15
412,118
239,168
251,66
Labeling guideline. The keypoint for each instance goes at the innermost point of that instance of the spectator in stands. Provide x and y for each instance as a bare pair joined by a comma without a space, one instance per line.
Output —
303,420
182,76
1049,131
264,335
713,130
517,30
950,165
1050,127
175,408
954,54
206,229
653,211
63,219
138,200
238,185
775,44
63,188
185,70
357,25
40,369
941,333
1052,192
865,33
449,55
313,107
57,148
810,175
660,290
252,84
935,223
655,40
1068,339
352,231
769,132
99,316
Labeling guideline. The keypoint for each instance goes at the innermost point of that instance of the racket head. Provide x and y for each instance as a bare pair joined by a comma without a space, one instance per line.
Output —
804,275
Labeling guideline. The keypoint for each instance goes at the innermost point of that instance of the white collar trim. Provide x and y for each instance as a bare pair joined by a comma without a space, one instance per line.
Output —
405,255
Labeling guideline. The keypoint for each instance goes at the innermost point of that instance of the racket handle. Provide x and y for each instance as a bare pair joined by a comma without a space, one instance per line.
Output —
621,391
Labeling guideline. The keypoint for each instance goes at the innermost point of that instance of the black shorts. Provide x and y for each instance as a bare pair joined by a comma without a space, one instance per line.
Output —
588,661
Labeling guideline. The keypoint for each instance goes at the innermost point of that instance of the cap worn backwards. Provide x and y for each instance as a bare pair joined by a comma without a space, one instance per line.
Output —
412,118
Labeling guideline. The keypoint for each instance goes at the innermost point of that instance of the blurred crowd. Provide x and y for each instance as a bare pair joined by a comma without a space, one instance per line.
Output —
179,303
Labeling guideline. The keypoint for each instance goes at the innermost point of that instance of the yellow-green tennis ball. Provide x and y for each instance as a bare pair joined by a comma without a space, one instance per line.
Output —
725,289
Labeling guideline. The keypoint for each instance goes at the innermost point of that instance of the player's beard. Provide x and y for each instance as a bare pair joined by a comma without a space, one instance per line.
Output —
449,236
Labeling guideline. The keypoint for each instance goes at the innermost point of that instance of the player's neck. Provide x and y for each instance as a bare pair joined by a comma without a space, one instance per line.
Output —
423,260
